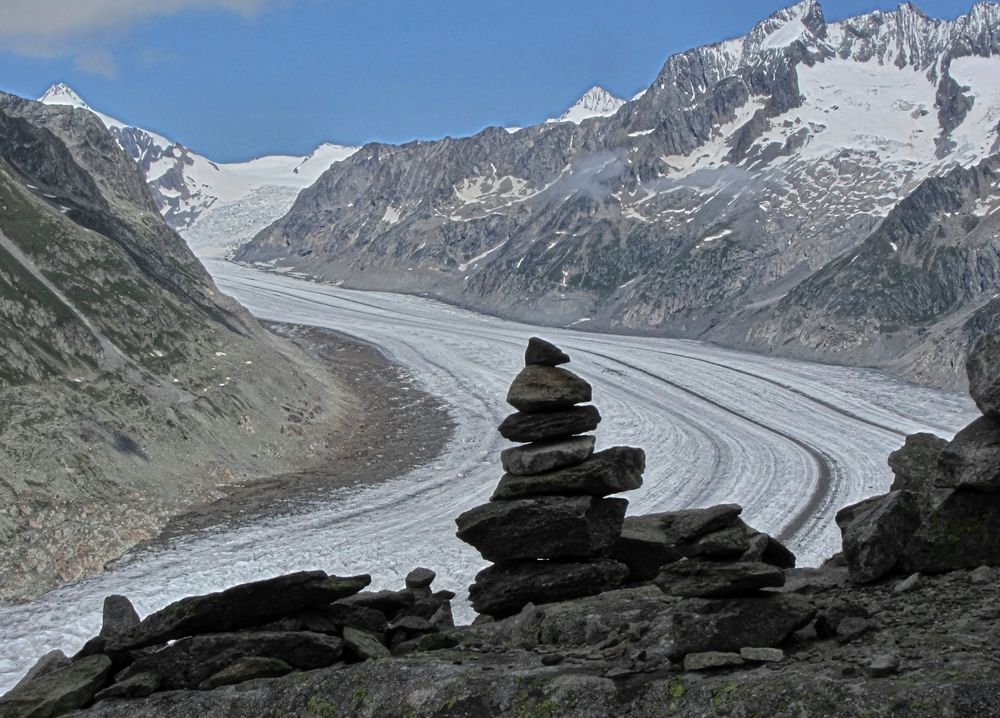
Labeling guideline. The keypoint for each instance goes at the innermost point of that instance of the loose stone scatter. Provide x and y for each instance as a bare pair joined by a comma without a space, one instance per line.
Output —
549,526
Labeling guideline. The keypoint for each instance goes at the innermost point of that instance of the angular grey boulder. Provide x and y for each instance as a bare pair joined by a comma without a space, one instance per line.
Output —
608,472
51,661
972,459
244,606
58,692
983,369
186,663
915,464
119,616
729,624
767,549
550,424
960,533
544,353
545,456
139,685
246,669
714,579
543,527
504,589
642,547
364,645
420,578
649,541
876,531
547,388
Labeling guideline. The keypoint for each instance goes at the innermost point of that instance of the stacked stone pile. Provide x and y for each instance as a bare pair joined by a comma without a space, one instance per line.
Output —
297,622
651,541
549,525
943,508
723,571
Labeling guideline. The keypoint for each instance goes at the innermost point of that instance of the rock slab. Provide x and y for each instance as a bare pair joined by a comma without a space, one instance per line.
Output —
545,456
543,527
58,692
550,425
607,472
711,579
244,606
547,388
504,589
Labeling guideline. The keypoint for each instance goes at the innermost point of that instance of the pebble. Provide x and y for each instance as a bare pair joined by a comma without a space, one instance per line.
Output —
907,584
883,665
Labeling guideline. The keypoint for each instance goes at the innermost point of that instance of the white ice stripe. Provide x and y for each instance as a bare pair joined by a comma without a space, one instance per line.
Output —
790,441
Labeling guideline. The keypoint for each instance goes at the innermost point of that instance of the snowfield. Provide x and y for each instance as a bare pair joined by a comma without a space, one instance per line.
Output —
790,441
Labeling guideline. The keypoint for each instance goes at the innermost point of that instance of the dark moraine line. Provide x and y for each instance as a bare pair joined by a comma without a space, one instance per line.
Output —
825,465
774,382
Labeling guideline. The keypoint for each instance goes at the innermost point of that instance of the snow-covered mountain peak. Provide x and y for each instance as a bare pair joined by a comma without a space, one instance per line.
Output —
62,94
595,102
803,21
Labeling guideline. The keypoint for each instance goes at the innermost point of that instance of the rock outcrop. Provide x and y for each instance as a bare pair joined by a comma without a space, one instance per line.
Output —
298,622
549,525
945,503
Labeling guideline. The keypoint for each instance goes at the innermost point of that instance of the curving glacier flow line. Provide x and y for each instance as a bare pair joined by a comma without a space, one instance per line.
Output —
790,441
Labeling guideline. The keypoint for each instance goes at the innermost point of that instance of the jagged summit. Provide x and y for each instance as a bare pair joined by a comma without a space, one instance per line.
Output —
62,94
595,102
803,21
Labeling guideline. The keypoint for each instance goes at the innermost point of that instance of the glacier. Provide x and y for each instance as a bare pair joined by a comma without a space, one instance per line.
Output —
791,441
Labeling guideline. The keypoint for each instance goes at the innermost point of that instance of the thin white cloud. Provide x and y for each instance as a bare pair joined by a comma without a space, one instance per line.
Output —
85,29
97,62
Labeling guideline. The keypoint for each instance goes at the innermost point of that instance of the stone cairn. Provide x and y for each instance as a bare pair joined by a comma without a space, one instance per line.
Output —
549,526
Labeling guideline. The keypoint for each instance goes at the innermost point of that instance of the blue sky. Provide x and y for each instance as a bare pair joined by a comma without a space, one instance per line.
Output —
236,79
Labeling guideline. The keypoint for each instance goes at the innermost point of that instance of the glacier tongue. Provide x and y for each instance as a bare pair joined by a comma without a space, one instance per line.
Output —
791,441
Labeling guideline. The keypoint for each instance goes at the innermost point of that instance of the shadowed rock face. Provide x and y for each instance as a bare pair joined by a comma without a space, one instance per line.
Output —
983,368
674,216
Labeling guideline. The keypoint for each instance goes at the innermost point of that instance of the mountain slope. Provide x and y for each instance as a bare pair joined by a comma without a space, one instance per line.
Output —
131,387
219,204
747,167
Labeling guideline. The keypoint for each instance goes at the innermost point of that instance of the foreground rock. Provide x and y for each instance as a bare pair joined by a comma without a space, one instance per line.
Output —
503,590
547,388
543,527
972,459
250,604
59,691
545,456
550,425
983,369
605,655
608,472
946,517
189,662
711,579
876,532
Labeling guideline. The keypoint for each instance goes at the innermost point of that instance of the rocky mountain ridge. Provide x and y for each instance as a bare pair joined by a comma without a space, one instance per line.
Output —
711,206
196,195
132,387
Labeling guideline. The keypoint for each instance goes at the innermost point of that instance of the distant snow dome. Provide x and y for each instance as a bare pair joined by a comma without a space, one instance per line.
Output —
595,102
